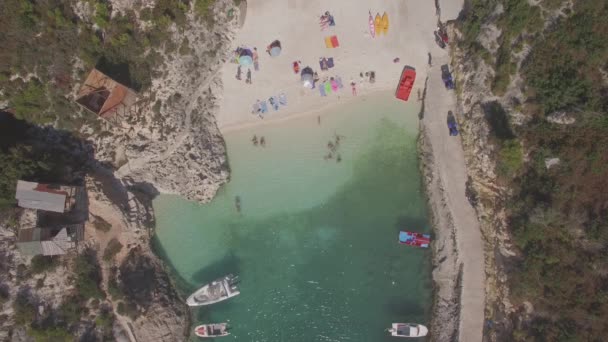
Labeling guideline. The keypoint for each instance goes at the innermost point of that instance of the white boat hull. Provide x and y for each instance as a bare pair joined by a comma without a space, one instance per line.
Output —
214,292
410,330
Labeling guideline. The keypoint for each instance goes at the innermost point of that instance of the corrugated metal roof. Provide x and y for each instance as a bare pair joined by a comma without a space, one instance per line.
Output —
44,241
114,93
29,197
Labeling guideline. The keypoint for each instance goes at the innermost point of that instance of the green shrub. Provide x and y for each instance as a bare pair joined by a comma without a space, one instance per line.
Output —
42,263
72,309
24,309
510,158
51,334
88,275
203,7
102,15
114,247
100,224
127,309
32,102
518,16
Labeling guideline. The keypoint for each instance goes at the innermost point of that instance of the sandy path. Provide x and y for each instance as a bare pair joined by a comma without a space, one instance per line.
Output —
450,167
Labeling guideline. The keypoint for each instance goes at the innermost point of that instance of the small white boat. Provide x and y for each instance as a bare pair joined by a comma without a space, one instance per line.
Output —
214,292
408,330
212,330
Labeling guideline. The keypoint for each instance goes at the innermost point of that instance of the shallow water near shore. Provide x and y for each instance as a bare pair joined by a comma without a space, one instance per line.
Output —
315,244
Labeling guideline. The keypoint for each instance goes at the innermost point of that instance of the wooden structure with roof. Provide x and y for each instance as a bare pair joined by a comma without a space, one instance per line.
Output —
105,97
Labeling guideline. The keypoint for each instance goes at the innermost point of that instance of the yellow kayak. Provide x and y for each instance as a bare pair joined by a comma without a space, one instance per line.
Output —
378,24
384,24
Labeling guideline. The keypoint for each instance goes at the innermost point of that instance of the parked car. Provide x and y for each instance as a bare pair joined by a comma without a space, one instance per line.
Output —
439,40
446,76
452,125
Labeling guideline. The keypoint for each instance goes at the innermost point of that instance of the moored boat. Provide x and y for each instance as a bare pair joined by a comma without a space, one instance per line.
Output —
414,239
212,330
214,292
406,83
408,330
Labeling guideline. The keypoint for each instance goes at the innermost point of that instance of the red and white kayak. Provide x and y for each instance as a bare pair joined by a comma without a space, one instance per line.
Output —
212,330
414,239
372,26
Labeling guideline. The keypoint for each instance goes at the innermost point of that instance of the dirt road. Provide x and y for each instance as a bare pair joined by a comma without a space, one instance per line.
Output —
449,164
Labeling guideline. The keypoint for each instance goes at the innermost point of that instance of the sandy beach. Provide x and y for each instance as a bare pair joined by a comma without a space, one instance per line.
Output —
295,23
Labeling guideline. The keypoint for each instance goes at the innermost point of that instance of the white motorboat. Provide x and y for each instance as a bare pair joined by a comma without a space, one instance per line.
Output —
408,330
214,292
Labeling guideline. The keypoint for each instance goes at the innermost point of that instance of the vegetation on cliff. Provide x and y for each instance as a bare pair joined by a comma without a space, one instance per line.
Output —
48,47
558,215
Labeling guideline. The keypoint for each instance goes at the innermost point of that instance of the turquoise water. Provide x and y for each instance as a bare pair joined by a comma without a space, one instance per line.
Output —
315,244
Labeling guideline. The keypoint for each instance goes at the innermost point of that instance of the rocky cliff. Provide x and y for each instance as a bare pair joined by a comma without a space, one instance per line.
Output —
170,139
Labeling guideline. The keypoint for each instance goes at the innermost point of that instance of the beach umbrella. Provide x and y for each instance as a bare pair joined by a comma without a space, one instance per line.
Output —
245,60
245,57
275,51
307,81
307,77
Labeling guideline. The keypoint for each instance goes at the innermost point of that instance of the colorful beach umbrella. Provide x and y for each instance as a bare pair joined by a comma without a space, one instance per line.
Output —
245,57
307,77
245,61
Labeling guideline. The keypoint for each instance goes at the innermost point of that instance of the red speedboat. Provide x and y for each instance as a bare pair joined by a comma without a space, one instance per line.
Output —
406,83
414,239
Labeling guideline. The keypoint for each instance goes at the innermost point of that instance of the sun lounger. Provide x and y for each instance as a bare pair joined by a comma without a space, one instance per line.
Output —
328,87
264,107
323,63
283,99
330,62
322,90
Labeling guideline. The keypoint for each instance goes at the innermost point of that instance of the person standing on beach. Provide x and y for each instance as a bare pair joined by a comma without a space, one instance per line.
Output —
256,65
353,86
238,73
248,76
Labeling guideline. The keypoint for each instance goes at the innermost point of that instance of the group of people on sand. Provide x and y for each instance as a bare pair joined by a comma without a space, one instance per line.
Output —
326,20
261,141
256,65
238,75
333,146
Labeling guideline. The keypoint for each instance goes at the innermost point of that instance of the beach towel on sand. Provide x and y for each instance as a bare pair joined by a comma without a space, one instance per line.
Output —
331,42
283,99
322,90
334,85
328,87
